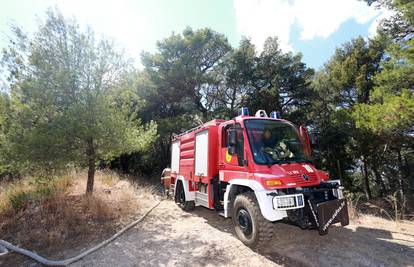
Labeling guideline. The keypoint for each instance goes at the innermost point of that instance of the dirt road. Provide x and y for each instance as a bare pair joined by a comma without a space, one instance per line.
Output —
171,237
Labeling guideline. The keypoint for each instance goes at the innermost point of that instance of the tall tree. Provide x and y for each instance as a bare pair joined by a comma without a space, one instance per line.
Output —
390,113
400,25
4,125
179,84
281,81
345,81
184,64
236,73
67,107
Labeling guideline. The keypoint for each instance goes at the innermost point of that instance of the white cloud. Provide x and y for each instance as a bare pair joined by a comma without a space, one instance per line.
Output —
385,13
123,21
321,18
109,18
259,19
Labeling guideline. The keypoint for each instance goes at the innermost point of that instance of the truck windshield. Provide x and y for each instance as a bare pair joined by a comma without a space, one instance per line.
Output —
274,142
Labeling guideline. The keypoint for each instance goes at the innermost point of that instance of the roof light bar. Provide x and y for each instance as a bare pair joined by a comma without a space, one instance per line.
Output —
243,111
275,115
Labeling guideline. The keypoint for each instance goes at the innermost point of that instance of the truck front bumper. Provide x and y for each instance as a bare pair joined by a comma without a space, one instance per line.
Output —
316,208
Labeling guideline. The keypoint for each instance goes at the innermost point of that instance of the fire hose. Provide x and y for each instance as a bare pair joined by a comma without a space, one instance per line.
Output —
5,246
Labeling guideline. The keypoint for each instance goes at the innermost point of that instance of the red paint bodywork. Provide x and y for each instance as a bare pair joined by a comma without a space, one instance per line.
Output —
291,175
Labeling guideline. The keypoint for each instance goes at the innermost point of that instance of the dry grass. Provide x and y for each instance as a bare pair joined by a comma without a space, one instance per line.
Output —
352,202
57,213
388,208
14,196
117,194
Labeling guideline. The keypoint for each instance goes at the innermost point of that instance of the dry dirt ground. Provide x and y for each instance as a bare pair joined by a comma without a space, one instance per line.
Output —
171,237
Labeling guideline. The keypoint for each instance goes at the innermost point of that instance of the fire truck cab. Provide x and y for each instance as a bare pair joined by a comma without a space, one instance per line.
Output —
256,170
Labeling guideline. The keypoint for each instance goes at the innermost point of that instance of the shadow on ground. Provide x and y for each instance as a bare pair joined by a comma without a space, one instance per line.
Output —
343,246
156,243
171,237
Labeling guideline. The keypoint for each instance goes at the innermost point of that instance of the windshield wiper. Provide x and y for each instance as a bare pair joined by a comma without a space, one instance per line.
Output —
300,160
292,160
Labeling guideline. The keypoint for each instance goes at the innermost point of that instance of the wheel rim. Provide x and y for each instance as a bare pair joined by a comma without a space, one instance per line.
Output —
244,222
182,197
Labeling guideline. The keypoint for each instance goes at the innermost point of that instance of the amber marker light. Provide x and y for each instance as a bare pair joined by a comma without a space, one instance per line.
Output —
273,182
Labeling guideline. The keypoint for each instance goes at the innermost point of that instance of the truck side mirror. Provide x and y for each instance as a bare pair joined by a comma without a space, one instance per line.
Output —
232,141
305,139
232,137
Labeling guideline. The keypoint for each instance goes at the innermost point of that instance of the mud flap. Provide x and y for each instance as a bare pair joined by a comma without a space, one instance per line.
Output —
330,212
323,214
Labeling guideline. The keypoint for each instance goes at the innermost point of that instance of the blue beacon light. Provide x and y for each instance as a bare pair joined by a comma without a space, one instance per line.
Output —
243,111
275,115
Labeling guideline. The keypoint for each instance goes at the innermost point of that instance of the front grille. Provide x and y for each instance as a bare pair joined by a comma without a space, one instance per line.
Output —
298,178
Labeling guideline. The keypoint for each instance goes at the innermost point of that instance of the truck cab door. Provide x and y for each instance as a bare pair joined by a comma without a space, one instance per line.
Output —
232,160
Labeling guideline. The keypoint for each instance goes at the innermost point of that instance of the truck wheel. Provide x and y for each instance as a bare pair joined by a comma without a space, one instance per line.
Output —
180,198
250,225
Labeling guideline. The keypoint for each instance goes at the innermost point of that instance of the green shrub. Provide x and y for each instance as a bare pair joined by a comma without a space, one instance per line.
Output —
14,196
19,199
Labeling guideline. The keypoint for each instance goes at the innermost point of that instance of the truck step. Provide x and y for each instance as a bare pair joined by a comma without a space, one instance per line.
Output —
201,199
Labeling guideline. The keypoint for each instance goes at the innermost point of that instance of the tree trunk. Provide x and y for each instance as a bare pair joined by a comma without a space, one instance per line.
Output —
379,180
201,108
367,189
401,184
410,177
338,165
90,151
205,115
401,176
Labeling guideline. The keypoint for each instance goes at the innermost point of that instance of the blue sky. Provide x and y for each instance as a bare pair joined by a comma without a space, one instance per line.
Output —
312,27
318,50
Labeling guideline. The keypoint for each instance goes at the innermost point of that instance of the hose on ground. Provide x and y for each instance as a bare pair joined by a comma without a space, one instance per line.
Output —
4,246
3,251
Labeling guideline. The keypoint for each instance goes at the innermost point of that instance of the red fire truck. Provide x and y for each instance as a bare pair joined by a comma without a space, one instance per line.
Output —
256,170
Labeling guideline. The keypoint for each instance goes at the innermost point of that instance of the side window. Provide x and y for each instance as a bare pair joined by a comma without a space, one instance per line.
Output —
240,144
239,141
225,135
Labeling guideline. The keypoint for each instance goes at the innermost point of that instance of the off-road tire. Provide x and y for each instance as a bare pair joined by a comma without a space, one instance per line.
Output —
262,229
180,198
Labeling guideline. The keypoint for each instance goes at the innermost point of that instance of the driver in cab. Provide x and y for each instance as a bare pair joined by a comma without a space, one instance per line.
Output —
273,148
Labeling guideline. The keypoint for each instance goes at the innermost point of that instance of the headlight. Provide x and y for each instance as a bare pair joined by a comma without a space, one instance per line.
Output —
288,202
